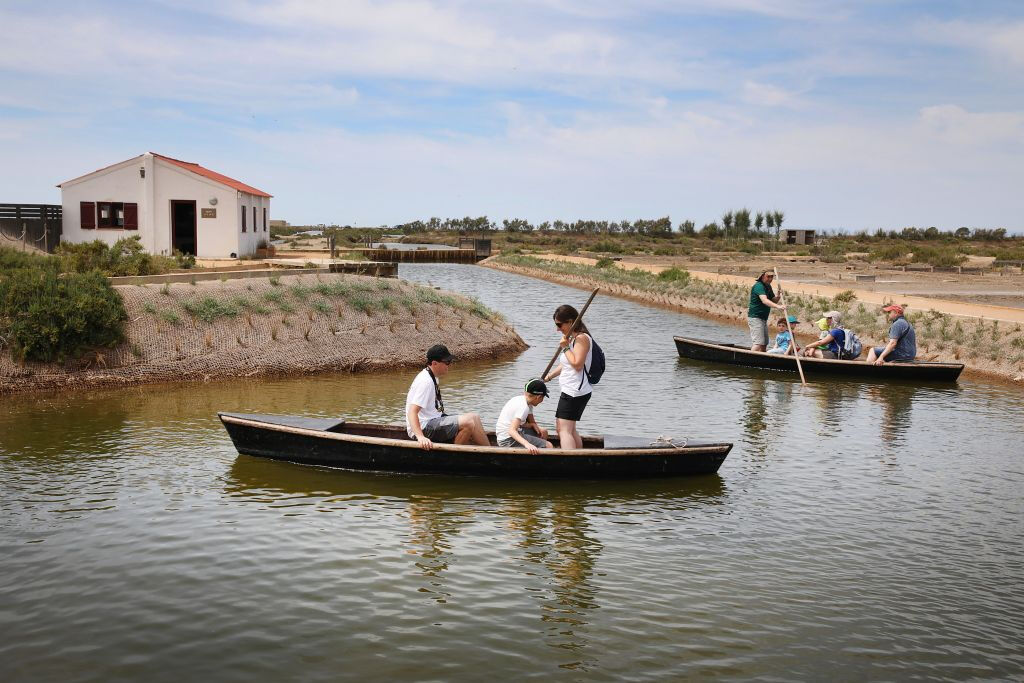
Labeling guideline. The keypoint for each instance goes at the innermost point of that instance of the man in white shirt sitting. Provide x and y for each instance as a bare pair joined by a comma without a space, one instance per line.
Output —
425,419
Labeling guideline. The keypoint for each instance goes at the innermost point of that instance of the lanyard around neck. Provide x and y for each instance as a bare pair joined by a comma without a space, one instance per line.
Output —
438,403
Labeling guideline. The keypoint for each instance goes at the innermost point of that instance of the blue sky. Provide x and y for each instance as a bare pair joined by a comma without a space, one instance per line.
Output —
847,115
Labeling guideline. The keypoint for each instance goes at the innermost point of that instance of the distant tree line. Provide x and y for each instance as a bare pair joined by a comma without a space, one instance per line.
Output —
734,224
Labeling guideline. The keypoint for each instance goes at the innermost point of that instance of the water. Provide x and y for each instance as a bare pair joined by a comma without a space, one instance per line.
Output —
855,532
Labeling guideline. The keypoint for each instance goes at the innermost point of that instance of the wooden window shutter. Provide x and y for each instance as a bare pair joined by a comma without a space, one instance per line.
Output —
88,215
254,224
244,208
264,219
131,216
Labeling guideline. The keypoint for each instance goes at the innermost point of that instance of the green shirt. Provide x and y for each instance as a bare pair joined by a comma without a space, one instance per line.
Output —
756,308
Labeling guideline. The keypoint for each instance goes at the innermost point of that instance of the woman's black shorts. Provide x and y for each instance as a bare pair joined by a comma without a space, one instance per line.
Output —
571,407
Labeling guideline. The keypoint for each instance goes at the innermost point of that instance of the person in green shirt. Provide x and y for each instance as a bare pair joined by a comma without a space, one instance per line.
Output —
762,301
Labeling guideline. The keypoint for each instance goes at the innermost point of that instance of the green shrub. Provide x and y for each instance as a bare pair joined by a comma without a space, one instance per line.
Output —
209,309
845,297
184,261
937,256
11,259
888,252
126,257
604,263
607,246
675,275
49,317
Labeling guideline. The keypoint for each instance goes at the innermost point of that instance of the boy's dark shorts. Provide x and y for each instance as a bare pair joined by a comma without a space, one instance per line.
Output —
571,407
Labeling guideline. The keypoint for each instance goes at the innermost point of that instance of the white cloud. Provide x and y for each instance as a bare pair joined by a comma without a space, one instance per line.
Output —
954,125
1002,41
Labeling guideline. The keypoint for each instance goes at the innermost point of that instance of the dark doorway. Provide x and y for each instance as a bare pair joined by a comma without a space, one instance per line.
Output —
183,226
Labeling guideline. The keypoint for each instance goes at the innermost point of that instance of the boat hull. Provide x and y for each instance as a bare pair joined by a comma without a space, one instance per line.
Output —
704,350
332,443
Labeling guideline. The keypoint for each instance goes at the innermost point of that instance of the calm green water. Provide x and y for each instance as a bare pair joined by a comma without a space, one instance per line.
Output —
856,531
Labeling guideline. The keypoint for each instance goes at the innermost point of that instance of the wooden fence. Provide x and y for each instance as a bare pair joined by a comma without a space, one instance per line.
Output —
31,225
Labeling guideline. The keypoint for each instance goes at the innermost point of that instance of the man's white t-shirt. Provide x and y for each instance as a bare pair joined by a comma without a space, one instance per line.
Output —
516,407
421,393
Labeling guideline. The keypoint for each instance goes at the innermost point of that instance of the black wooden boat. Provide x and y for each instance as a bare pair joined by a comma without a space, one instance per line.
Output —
702,349
334,442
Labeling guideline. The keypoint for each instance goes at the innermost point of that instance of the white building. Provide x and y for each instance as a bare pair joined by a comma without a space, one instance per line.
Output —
170,204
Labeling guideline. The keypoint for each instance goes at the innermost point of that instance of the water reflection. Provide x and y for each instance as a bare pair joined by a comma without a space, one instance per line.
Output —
552,527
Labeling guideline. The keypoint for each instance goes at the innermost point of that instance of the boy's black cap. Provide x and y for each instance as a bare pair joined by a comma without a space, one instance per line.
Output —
537,387
439,352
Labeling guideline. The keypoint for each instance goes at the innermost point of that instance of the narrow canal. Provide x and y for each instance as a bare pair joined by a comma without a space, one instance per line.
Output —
855,532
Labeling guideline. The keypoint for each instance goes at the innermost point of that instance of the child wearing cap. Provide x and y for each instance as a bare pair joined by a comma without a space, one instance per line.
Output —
783,339
516,426
832,339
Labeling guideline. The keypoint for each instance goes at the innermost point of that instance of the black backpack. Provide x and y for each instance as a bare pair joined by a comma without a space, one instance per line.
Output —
597,363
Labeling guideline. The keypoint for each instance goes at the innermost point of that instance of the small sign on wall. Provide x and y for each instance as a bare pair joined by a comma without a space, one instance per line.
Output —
209,213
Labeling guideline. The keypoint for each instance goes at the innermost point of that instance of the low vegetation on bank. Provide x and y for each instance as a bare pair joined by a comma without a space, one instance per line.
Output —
984,344
292,324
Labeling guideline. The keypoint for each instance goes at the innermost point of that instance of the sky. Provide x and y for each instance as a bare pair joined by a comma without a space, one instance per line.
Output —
843,115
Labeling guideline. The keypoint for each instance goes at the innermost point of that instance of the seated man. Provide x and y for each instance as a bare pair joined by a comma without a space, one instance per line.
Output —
516,426
902,345
425,419
783,338
831,344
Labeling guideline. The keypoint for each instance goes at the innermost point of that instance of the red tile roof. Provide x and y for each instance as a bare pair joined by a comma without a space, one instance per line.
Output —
194,168
212,175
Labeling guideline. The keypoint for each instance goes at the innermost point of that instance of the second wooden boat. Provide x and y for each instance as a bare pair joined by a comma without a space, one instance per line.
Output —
733,354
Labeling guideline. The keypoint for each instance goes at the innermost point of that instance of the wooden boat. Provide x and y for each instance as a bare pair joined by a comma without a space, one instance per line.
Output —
333,442
702,349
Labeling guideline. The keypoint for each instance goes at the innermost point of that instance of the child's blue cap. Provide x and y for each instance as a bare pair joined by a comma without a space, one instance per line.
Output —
792,320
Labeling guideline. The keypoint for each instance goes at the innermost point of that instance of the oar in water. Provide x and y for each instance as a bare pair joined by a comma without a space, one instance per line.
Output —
571,330
792,338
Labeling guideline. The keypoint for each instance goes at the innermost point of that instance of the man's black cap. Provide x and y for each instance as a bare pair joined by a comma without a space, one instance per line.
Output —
537,387
439,352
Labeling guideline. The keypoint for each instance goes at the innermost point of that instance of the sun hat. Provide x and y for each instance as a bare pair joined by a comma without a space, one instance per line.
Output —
791,319
537,387
440,353
893,307
835,315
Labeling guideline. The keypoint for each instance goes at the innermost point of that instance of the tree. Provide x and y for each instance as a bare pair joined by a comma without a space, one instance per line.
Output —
758,222
742,218
710,231
779,217
727,219
962,233
687,228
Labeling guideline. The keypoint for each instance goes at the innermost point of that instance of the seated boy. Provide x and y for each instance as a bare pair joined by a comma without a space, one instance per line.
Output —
783,338
516,426
832,340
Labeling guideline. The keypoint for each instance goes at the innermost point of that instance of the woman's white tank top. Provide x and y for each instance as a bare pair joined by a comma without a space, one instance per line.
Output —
574,382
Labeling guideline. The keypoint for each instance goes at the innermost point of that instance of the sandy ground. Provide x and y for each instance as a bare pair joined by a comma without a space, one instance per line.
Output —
319,333
991,296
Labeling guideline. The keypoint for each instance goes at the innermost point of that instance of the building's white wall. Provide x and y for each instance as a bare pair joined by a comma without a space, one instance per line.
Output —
120,183
254,234
216,237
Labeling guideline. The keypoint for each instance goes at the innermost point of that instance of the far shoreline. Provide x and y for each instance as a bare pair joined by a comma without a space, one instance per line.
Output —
734,313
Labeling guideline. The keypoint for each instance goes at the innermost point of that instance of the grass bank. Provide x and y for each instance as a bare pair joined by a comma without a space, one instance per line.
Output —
272,326
984,346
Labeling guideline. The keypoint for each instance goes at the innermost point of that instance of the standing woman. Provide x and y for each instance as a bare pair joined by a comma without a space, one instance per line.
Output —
762,301
576,356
